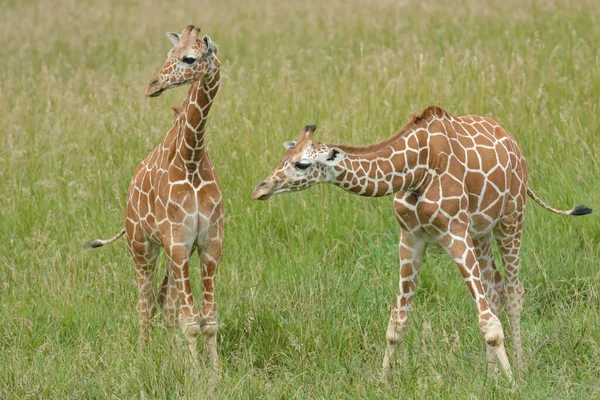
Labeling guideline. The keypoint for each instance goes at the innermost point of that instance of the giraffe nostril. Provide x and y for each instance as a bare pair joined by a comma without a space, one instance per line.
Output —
263,184
154,82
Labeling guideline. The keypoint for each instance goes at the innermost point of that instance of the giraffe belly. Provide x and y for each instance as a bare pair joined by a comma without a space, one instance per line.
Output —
423,220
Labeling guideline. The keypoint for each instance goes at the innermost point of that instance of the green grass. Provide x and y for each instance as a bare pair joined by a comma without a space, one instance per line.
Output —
307,280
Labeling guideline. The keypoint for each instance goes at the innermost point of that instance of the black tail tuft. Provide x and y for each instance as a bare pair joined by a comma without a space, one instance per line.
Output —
94,243
581,210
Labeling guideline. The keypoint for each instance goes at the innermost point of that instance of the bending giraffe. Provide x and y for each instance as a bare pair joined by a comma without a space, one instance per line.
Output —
457,181
174,199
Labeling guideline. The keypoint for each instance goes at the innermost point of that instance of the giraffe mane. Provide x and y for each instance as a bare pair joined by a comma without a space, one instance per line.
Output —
432,111
177,110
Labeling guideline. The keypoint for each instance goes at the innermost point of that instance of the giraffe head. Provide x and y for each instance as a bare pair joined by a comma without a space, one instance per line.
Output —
191,59
304,165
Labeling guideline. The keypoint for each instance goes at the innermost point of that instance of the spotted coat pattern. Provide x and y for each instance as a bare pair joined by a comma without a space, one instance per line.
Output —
174,200
458,182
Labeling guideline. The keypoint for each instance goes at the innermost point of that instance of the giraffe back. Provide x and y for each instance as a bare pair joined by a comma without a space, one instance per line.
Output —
476,169
495,172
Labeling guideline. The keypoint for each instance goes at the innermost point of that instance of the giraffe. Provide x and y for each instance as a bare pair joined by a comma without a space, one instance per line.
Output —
174,200
458,182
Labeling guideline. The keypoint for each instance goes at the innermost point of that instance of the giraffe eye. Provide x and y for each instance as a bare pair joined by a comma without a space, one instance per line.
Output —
188,60
302,165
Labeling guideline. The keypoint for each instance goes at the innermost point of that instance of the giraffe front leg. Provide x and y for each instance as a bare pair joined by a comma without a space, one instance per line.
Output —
189,318
411,258
460,248
209,260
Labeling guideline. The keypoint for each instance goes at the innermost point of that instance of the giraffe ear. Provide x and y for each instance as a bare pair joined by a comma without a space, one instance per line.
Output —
173,37
334,157
209,46
289,145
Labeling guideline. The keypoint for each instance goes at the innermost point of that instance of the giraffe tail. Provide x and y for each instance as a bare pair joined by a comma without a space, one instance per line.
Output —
100,242
577,210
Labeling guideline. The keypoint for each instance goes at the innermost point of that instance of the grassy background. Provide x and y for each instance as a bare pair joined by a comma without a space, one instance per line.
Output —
307,280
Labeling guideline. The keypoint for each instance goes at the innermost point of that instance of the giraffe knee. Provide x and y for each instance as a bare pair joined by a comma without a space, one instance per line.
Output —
493,333
191,331
209,324
210,329
189,326
394,333
494,339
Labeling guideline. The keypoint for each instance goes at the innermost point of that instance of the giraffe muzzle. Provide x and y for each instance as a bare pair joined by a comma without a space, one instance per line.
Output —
154,88
263,191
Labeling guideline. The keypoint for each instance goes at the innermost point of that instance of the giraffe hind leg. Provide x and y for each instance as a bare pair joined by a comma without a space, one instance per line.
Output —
462,251
169,302
144,255
492,285
508,237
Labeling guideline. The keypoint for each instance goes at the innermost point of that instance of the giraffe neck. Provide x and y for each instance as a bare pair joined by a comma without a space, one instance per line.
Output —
195,114
400,165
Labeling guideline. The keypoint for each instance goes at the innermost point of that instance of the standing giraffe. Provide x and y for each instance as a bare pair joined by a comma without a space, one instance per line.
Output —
457,181
174,199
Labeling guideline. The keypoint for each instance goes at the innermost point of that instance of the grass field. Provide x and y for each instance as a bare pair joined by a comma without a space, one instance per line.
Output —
307,280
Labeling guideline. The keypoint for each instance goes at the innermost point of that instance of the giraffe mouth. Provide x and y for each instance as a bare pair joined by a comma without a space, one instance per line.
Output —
263,196
157,93
156,88
181,83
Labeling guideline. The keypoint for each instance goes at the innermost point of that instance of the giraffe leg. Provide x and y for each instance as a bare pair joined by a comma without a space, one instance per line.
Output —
411,258
144,255
509,241
492,285
178,256
209,259
460,247
169,301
